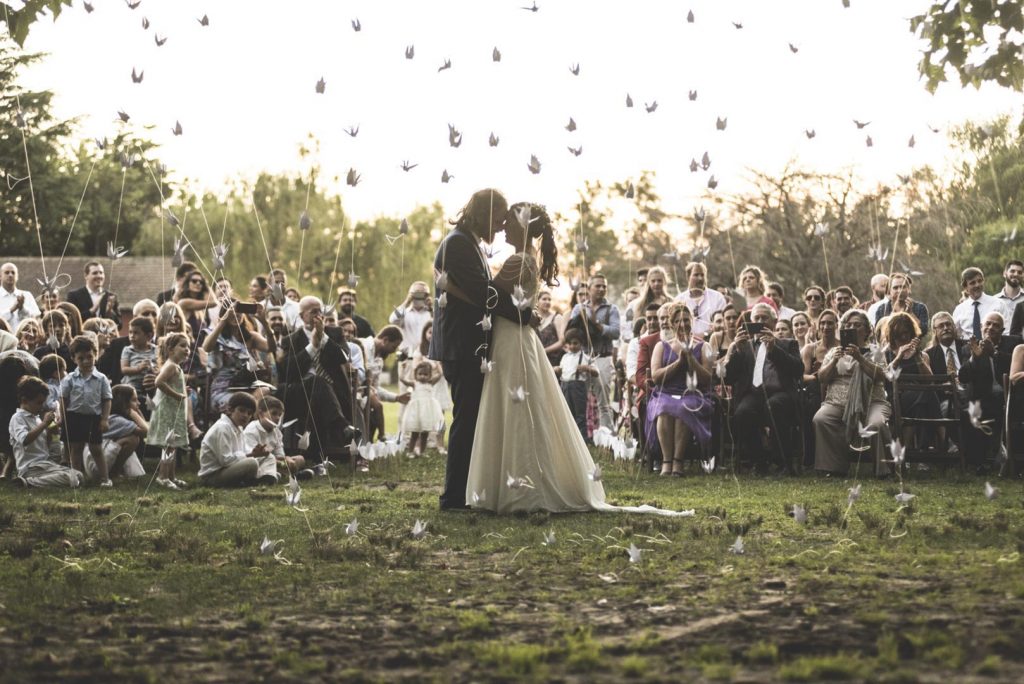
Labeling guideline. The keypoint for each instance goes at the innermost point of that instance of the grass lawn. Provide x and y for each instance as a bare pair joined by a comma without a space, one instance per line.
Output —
145,585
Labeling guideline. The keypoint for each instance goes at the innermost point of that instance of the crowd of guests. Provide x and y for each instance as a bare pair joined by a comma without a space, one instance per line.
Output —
261,386
783,388
272,384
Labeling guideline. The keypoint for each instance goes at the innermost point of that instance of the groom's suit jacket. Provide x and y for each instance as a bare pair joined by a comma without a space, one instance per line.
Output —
457,330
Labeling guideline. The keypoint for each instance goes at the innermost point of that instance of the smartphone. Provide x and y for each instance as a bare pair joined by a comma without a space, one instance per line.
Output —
847,337
245,307
753,329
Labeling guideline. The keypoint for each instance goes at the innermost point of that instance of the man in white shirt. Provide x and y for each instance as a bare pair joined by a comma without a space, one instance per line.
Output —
411,316
879,288
15,305
970,313
776,293
289,307
703,302
1012,293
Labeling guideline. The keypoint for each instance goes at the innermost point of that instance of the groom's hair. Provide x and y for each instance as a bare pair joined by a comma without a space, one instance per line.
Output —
475,217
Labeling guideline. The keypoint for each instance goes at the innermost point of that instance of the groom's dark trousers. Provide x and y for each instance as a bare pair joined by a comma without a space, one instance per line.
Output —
467,383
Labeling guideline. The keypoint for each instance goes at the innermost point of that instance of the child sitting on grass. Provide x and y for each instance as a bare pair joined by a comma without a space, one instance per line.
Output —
127,428
85,407
169,422
28,437
264,430
223,460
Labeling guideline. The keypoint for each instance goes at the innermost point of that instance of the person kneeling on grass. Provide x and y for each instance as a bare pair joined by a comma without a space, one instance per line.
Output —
29,438
266,431
223,460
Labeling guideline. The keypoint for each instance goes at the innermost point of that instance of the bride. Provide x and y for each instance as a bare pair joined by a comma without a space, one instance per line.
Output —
528,453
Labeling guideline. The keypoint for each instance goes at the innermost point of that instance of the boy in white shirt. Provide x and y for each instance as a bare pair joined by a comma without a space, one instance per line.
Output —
264,430
575,370
224,460
29,439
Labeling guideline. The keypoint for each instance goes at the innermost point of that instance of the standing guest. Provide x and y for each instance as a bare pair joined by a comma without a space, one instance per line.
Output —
854,396
641,276
843,299
599,321
375,351
423,412
1012,294
702,301
975,306
580,295
764,373
139,358
259,289
652,292
224,460
680,403
777,294
15,305
574,371
170,423
552,327
814,302
289,307
179,286
801,327
223,295
48,301
640,329
92,300
195,299
982,372
629,297
85,408
28,429
293,294
879,285
347,301
899,300
752,285
411,315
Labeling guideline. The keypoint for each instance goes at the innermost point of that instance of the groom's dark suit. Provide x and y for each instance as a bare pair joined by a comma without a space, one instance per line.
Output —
459,343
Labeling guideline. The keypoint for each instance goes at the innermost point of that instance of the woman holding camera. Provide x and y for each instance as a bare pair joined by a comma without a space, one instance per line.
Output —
854,387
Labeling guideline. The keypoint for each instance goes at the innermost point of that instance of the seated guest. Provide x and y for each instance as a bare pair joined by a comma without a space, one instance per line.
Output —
801,327
55,338
843,299
784,330
314,381
223,460
814,301
264,430
765,373
659,326
945,355
982,372
854,396
721,340
230,349
903,352
680,404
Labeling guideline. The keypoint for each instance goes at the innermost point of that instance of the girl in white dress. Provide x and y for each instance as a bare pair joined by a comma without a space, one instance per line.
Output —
423,413
528,453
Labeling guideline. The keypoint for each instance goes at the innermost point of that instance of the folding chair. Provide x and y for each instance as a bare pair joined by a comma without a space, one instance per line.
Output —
944,386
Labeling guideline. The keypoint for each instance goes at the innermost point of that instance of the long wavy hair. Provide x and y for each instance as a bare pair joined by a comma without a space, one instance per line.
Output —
540,226
475,217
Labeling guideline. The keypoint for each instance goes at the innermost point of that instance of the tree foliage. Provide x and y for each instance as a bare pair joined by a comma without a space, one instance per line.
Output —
19,21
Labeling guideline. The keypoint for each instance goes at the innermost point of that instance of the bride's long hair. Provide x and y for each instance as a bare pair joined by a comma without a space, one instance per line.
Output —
540,226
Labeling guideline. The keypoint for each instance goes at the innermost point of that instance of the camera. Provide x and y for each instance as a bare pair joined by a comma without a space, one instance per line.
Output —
753,329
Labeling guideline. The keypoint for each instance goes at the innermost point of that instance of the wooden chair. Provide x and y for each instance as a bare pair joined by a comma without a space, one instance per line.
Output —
946,387
1014,422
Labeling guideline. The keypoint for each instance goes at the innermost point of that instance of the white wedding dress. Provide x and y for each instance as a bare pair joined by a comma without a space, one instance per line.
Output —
525,432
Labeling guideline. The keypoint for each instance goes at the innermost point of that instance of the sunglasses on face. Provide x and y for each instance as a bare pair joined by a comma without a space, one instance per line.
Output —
812,298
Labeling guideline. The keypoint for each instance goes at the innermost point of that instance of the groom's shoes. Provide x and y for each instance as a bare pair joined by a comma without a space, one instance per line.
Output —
463,508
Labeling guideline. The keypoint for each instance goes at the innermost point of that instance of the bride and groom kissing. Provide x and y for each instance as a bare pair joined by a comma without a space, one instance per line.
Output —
513,444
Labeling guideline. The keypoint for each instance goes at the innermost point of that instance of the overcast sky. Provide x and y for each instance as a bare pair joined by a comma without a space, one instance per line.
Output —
243,89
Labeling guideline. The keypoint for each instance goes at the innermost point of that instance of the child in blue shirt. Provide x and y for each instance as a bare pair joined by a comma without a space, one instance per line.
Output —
85,408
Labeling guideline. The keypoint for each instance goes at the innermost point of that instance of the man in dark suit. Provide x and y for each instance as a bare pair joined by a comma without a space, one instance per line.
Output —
981,371
764,373
92,300
946,350
314,384
459,342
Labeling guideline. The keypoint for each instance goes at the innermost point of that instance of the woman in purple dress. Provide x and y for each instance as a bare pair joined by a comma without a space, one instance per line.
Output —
680,403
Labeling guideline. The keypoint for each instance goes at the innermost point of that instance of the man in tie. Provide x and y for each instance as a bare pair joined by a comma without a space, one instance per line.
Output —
764,372
970,313
945,356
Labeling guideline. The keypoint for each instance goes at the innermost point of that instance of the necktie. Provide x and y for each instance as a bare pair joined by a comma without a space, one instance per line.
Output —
762,352
950,362
976,325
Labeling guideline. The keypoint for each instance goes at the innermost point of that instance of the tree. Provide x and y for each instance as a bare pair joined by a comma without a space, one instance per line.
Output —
977,39
20,20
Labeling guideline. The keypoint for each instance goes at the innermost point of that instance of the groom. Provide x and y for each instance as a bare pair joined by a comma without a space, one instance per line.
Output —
459,342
